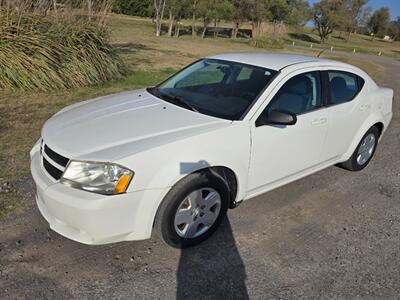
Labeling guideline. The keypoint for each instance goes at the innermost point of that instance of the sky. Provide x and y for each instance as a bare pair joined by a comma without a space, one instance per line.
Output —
394,6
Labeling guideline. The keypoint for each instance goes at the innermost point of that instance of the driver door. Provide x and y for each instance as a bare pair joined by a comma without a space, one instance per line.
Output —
282,153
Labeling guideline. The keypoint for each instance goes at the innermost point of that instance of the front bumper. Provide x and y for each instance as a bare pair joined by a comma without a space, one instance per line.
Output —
92,218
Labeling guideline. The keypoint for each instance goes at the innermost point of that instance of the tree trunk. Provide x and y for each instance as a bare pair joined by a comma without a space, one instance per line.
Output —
256,29
348,35
203,34
171,23
194,19
159,7
235,30
215,28
89,8
177,26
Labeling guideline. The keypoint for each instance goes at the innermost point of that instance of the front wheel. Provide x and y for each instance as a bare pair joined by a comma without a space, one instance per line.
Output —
192,210
364,151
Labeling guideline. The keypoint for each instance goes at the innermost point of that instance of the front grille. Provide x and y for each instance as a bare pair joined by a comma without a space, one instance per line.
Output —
61,160
54,163
53,171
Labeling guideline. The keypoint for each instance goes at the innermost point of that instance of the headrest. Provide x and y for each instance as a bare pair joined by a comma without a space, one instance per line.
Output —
258,75
300,85
338,83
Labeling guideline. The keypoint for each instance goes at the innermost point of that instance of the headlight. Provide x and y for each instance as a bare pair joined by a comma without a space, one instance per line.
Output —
96,177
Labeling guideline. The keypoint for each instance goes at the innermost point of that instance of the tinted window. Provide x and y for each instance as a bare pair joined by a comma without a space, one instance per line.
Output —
245,74
344,86
299,94
211,73
214,87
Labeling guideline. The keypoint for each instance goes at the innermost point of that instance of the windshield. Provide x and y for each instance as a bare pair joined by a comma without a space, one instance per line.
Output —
218,88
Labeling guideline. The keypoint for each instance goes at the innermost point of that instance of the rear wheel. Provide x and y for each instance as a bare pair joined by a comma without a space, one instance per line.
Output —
364,151
192,210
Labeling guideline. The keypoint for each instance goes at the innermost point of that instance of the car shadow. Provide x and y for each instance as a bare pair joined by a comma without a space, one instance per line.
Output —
213,269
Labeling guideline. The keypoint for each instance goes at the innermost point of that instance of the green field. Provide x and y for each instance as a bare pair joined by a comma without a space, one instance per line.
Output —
149,59
361,43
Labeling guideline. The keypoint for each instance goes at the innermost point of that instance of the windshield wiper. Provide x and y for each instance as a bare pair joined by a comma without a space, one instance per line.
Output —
172,97
181,100
176,99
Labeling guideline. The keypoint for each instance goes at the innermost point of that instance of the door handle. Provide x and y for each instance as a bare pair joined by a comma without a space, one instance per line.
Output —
364,107
319,121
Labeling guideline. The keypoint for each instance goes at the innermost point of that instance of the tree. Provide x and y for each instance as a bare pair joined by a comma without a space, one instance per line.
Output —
379,22
363,17
353,10
176,10
259,12
133,7
279,10
300,12
194,8
159,7
394,29
222,9
239,11
205,9
328,15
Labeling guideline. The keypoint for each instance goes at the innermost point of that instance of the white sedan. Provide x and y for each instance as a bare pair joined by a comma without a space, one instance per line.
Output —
224,129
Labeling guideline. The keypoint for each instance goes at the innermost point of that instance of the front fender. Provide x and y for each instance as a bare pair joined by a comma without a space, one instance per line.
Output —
229,148
161,167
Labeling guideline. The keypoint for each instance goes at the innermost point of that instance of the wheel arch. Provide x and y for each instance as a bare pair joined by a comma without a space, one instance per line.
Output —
380,127
374,120
228,176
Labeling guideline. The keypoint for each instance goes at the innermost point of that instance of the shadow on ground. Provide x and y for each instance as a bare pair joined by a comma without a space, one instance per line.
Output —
303,37
128,48
213,269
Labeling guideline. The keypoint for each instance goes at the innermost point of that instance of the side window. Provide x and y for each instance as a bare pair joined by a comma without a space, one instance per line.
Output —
299,94
344,86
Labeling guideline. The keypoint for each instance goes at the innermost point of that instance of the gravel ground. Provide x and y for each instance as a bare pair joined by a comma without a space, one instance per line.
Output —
334,234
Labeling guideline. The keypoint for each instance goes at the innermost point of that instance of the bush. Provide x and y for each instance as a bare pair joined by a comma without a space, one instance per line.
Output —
264,42
142,8
50,52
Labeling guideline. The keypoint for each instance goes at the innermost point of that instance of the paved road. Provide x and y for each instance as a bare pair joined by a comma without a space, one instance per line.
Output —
334,234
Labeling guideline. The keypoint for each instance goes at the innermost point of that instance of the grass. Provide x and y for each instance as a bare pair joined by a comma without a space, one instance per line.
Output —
50,53
361,43
150,60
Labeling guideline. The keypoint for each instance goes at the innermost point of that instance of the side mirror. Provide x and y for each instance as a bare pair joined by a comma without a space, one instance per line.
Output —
276,117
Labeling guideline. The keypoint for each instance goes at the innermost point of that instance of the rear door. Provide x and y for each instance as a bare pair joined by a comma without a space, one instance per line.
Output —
348,106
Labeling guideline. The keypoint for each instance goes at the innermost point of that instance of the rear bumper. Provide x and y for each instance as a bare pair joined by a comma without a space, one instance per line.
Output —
92,218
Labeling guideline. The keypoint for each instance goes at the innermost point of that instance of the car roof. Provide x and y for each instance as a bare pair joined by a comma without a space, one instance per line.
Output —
274,61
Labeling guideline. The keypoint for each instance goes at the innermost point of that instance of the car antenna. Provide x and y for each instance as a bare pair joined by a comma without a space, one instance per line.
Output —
320,52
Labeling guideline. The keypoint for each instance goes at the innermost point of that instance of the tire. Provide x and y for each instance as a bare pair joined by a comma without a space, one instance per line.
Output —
184,198
354,163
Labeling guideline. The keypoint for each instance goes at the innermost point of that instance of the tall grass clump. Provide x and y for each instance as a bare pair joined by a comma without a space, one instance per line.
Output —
55,46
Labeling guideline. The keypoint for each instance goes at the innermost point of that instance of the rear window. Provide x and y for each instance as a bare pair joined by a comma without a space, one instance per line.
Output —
344,86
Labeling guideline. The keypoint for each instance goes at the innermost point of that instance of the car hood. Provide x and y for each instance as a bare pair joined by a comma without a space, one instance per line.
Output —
122,124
